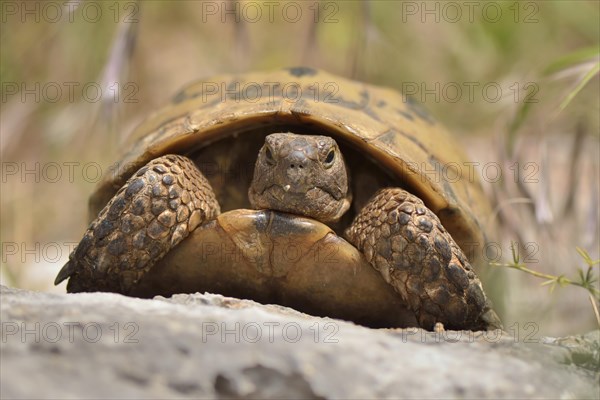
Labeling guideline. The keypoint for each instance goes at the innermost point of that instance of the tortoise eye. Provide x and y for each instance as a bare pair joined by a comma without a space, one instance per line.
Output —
269,156
330,157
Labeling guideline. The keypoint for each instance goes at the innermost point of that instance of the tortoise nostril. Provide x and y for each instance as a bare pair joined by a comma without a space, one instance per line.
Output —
297,160
297,166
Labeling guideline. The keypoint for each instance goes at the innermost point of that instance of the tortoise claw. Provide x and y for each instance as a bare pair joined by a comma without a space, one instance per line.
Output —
65,272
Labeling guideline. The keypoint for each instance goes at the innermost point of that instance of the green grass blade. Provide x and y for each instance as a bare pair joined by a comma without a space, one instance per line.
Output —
571,60
591,73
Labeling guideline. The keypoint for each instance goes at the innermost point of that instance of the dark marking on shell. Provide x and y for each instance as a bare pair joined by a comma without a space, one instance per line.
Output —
441,171
450,192
364,101
418,109
371,113
406,114
415,141
233,91
301,108
251,92
179,97
388,137
391,138
302,71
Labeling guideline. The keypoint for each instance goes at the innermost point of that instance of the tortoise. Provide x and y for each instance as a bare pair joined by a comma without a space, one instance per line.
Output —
294,187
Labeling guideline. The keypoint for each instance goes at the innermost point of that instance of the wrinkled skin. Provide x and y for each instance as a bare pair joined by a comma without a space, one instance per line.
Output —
299,174
304,175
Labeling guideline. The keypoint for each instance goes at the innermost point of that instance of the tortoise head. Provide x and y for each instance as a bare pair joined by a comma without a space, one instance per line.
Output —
301,174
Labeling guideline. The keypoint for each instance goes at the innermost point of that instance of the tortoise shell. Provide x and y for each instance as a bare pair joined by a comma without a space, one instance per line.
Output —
388,140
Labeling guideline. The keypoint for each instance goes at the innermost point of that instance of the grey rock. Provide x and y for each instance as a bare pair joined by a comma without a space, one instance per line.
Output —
101,345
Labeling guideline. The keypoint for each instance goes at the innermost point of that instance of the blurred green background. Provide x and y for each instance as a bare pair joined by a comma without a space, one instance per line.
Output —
77,77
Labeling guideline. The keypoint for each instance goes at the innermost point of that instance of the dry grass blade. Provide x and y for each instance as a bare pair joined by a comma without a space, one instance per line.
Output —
592,217
358,51
242,50
507,196
595,307
311,45
543,207
574,168
499,211
114,79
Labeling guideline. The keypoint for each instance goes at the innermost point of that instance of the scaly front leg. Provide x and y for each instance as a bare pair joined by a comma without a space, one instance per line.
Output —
155,210
408,245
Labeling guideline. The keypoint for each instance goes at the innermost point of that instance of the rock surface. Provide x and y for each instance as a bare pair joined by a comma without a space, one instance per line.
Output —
100,345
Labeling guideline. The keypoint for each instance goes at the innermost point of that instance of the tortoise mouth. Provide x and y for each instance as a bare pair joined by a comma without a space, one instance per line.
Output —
285,192
312,201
